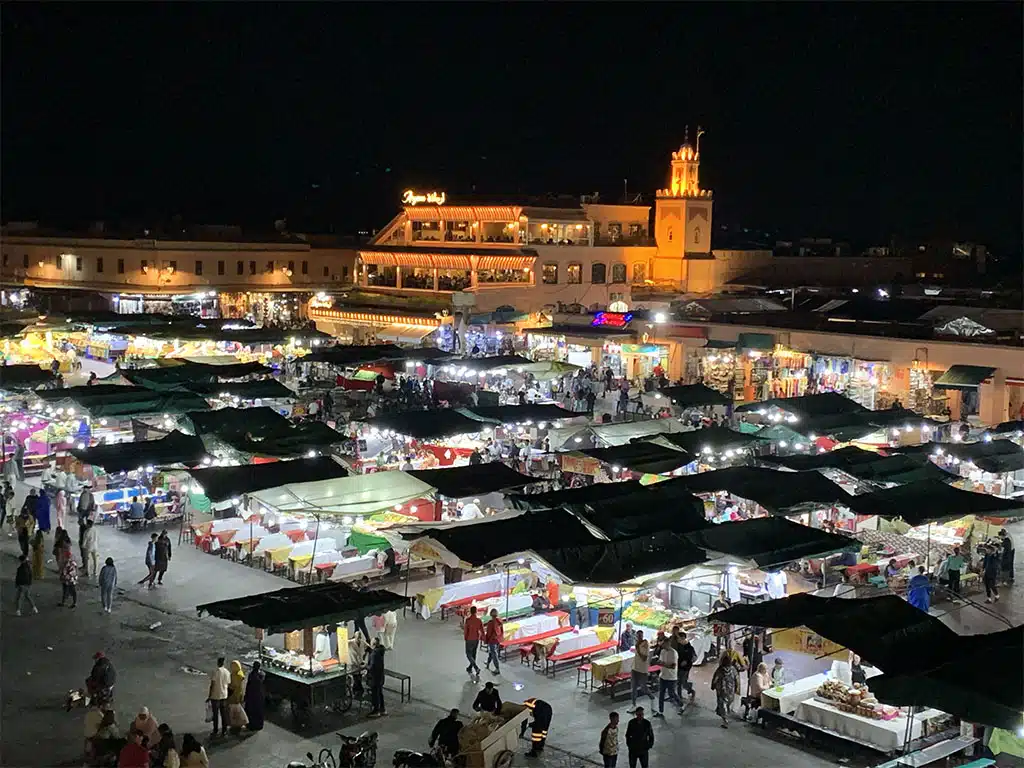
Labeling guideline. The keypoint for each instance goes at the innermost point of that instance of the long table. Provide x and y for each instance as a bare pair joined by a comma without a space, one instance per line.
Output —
885,735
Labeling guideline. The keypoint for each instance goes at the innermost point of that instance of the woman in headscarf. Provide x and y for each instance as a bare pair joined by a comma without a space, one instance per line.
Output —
43,511
165,753
236,696
254,698
60,505
38,555
725,683
147,725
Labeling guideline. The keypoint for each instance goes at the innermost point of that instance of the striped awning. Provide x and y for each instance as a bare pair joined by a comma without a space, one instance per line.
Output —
422,260
505,262
462,213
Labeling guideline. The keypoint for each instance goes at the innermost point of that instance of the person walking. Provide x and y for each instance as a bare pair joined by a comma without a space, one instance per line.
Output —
473,633
90,549
38,555
725,683
161,558
236,698
3,506
687,656
954,567
150,561
25,524
19,458
668,679
639,739
990,572
1007,557
69,581
641,668
217,695
60,505
375,673
23,585
608,744
43,511
108,582
254,697
86,506
494,634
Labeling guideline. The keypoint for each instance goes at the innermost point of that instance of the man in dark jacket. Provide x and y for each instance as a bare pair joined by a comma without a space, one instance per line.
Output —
687,656
162,557
446,734
488,700
639,739
539,727
375,674
23,584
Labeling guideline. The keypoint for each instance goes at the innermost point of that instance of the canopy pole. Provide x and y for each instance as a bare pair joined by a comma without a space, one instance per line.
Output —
928,551
313,558
621,602
408,571
508,582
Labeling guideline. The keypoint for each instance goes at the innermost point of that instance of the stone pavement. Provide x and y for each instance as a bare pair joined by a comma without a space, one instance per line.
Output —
35,678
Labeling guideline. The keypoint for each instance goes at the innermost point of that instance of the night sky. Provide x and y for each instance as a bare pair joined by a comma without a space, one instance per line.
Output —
856,121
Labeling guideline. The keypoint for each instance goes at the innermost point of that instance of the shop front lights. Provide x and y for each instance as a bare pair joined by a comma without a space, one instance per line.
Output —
578,439
103,422
81,446
149,469
987,438
659,317
346,520
235,501
398,507
616,469
311,454
783,443
207,461
521,560
734,569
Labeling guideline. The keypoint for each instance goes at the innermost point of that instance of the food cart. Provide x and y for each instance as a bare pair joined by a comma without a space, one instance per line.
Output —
310,669
490,741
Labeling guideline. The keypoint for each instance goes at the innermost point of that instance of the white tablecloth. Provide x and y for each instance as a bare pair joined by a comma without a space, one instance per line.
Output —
273,541
887,735
531,625
351,565
494,582
515,603
788,699
574,642
227,524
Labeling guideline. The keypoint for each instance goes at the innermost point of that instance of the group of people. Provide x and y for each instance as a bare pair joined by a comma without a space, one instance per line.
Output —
234,701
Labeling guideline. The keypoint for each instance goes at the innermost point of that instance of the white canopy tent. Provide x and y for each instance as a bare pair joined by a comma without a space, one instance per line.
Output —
355,495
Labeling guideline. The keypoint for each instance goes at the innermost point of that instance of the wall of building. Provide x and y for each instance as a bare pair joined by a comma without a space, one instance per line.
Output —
118,265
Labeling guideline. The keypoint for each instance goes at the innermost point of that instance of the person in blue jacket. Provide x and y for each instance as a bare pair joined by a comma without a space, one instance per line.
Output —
919,590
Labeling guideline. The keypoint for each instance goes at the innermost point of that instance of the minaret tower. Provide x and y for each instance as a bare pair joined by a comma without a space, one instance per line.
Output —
682,224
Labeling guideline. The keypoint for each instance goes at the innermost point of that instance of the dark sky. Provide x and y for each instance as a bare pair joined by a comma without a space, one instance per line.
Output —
855,120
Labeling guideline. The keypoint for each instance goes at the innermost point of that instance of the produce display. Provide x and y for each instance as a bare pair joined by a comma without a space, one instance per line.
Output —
298,663
658,617
857,700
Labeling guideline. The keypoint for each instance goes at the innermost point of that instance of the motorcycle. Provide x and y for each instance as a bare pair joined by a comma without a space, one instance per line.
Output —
408,758
358,751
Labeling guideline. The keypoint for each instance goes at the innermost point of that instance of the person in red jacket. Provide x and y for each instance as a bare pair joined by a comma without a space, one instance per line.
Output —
133,754
494,634
473,633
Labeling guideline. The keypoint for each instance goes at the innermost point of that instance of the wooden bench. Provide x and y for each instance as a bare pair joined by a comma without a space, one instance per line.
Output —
530,639
611,685
583,654
464,601
404,683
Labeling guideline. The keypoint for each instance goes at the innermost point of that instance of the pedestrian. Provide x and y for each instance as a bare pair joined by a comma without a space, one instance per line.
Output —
86,505
627,639
23,585
90,549
108,582
254,697
918,592
19,458
641,668
133,754
1008,555
150,561
161,558
60,505
760,681
217,696
539,726
725,682
954,567
473,633
639,739
488,700
43,511
69,581
668,659
990,563
446,734
687,656
193,754
3,505
608,744
375,674
494,635
165,754
236,698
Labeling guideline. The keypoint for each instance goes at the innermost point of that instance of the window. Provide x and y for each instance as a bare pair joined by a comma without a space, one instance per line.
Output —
618,273
639,272
220,267
199,267
240,268
269,269
305,267
145,265
598,272
549,274
24,260
636,230
172,266
7,258
291,267
670,234
99,263
614,231
574,274
78,263
252,267
344,273
327,271
120,266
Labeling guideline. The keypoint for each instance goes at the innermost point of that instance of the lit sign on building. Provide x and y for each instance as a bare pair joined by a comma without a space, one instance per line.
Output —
411,197
612,319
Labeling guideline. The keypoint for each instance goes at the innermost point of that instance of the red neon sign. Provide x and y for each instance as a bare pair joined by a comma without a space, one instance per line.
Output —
612,319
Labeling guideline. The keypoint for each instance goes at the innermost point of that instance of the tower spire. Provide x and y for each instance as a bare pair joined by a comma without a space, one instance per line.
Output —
699,134
686,135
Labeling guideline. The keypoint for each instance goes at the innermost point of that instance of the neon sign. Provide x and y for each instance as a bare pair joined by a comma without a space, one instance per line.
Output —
612,319
411,197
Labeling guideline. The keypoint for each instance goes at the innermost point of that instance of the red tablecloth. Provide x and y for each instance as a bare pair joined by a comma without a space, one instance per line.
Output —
862,569
296,535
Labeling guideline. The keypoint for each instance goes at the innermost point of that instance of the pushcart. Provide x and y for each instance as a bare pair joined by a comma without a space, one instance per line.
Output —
497,749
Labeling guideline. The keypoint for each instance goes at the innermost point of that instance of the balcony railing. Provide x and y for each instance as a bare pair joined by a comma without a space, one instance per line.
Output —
624,240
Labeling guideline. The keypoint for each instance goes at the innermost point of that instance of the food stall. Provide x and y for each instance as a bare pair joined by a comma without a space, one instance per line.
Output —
305,664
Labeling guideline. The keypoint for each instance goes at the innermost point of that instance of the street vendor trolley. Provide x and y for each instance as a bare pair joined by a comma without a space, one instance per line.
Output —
334,690
497,749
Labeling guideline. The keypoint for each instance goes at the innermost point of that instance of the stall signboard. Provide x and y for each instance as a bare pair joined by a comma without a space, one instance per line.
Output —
612,319
641,349
606,617
412,197
581,465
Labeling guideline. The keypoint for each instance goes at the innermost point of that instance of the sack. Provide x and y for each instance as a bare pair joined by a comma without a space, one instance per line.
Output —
237,717
209,712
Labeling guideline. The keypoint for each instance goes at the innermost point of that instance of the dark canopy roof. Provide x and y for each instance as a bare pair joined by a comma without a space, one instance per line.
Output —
571,497
244,336
425,425
116,401
931,501
292,608
839,459
349,356
266,389
1007,428
990,456
807,406
175,448
658,507
776,491
854,425
641,457
769,541
867,465
256,421
693,395
963,377
23,376
516,414
192,373
718,439
281,442
472,480
482,542
615,562
489,363
221,483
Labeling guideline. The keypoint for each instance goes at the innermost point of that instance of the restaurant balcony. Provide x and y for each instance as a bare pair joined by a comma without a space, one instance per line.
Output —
624,241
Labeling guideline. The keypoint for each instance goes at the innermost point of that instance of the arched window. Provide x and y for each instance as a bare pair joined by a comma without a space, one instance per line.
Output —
549,274
598,272
696,235
618,273
574,273
639,272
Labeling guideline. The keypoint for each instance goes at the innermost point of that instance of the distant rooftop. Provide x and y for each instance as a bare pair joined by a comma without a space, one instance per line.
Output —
222,233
